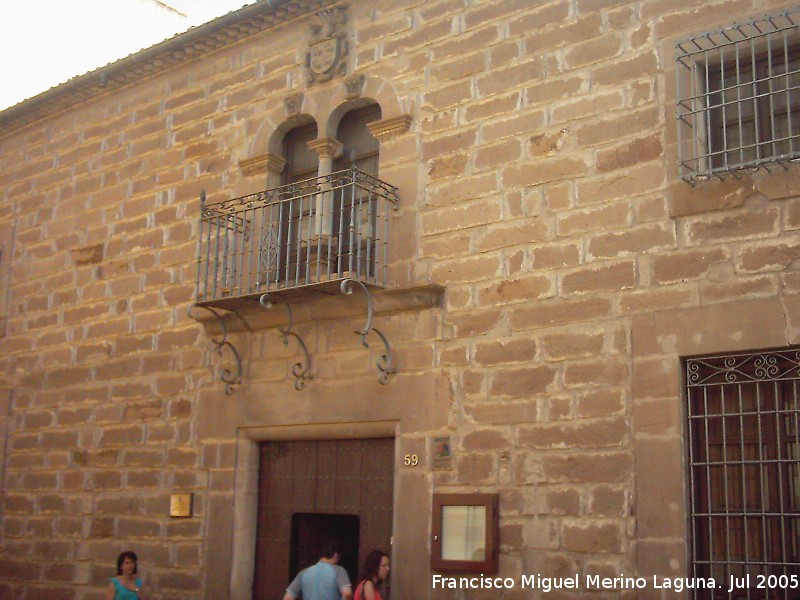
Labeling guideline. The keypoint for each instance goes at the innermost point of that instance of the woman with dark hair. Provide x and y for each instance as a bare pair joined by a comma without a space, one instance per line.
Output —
375,570
126,586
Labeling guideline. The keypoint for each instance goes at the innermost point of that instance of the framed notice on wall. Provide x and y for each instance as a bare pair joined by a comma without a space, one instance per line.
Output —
465,533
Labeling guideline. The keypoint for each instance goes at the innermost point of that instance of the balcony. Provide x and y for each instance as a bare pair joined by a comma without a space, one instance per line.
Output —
299,238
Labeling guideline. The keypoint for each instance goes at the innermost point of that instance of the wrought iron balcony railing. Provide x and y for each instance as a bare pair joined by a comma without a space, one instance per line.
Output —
316,232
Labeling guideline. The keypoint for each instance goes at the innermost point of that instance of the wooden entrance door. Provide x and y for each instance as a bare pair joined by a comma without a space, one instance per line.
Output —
312,490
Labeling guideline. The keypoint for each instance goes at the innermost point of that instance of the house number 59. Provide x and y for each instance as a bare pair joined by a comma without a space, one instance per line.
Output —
411,460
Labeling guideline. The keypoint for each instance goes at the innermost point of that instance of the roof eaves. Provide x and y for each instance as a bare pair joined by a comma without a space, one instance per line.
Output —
220,32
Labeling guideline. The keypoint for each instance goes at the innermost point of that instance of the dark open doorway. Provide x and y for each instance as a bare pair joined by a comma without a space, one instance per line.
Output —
312,531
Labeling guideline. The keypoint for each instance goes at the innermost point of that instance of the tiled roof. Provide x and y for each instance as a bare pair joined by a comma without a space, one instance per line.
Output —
221,32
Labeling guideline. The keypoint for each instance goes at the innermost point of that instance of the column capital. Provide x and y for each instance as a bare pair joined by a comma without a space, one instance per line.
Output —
326,147
266,163
387,128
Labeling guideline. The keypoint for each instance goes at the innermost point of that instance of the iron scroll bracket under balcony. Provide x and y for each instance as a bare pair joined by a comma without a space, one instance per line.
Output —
300,370
304,241
255,315
385,362
230,377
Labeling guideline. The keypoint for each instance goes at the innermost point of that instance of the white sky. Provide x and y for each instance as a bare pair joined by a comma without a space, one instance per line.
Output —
46,42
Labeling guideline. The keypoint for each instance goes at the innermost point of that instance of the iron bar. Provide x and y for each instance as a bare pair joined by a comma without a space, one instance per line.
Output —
709,522
788,86
280,253
782,510
690,451
331,215
207,242
726,504
351,229
217,237
339,231
250,255
199,253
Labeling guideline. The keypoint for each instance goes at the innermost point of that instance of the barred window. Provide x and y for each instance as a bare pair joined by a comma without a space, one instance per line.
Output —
743,451
738,94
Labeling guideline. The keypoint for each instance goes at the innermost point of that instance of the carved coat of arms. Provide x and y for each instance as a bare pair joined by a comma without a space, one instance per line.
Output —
327,48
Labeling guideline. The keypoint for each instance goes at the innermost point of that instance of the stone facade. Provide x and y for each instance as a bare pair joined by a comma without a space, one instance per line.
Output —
548,271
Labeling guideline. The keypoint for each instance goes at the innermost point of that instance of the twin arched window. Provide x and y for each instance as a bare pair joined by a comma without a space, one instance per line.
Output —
359,146
325,227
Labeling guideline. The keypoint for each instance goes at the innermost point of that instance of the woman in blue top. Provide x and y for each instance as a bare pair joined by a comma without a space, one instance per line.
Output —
125,586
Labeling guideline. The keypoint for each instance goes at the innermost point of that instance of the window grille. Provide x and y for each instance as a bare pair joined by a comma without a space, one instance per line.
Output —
738,91
744,473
